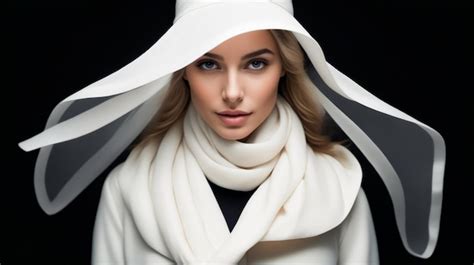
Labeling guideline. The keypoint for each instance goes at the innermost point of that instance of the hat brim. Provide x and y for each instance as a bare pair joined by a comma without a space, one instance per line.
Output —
411,155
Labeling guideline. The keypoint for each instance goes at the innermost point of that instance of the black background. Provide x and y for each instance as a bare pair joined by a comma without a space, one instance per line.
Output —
413,55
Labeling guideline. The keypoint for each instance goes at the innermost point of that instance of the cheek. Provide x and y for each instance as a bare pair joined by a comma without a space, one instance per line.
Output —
201,91
266,87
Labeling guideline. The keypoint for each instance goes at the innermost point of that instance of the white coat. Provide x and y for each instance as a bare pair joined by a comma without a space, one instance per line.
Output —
116,239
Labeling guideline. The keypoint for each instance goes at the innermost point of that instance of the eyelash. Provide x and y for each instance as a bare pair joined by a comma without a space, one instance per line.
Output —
262,61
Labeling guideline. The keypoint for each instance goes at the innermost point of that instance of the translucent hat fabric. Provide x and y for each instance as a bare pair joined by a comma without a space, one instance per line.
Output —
89,129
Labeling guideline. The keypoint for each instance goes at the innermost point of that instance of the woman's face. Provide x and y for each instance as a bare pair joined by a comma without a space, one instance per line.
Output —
241,74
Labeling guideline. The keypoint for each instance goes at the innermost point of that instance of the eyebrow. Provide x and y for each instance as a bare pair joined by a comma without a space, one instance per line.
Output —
250,55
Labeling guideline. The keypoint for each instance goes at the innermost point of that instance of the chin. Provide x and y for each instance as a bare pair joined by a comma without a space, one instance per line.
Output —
229,135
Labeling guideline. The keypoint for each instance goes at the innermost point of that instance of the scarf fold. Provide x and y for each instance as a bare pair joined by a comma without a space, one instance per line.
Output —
301,193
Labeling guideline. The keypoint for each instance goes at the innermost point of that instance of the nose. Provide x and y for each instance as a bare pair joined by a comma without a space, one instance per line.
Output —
233,92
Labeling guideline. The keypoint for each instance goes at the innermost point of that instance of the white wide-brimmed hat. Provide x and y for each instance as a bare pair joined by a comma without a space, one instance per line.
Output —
89,129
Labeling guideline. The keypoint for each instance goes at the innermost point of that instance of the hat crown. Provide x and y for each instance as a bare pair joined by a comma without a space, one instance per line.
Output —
183,6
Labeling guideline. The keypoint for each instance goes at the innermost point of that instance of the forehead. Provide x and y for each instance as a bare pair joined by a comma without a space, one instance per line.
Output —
247,42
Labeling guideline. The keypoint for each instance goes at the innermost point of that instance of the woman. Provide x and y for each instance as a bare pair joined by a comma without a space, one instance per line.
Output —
209,87
306,206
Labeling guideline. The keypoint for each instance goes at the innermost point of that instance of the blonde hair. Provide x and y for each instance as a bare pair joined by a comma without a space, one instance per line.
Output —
295,86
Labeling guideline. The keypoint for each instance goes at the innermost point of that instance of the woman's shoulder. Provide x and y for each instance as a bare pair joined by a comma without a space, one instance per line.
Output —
120,178
129,177
135,167
359,211
340,157
111,182
339,178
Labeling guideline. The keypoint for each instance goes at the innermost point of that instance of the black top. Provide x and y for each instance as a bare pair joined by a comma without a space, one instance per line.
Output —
231,202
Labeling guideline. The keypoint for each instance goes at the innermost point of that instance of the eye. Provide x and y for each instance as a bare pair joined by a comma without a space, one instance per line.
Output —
206,65
259,64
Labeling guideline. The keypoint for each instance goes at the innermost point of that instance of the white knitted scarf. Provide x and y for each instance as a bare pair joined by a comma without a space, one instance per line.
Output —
301,193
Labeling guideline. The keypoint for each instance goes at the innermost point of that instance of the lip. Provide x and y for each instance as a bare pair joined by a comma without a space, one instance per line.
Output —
234,120
233,112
